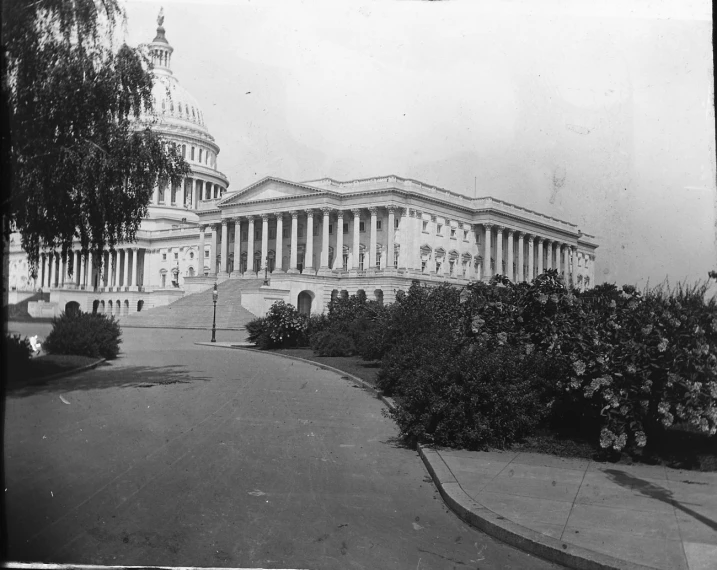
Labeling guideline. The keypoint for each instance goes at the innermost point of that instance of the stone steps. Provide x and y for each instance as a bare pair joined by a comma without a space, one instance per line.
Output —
196,311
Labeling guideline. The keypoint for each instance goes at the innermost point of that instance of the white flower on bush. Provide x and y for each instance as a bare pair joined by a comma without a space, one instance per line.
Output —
502,338
579,367
476,324
662,347
640,439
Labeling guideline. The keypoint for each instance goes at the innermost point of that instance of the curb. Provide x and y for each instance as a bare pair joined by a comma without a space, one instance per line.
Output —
505,530
480,517
70,372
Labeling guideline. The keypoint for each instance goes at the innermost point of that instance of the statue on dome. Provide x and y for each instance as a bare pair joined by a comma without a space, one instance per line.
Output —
160,18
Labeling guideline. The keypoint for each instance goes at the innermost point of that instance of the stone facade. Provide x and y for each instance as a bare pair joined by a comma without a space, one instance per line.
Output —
312,240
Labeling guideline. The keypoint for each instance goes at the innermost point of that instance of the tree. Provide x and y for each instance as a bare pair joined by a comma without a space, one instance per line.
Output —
80,159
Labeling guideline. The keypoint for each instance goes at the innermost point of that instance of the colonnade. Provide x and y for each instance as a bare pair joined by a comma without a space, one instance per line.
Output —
187,194
517,254
119,269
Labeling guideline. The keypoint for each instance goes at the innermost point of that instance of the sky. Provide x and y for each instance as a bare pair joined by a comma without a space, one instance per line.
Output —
602,116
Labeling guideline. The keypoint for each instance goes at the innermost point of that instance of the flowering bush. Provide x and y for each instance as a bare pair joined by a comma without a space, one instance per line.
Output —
283,326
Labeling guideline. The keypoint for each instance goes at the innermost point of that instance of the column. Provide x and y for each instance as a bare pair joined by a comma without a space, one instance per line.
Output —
250,247
509,267
200,252
499,250
487,271
133,274
548,254
146,266
294,242
403,237
122,269
237,247
446,268
372,238
566,264
155,194
213,250
339,254
197,193
390,231
325,269
573,264
309,255
89,280
110,269
520,277
357,239
264,240
225,248
540,255
531,258
78,269
279,245
50,263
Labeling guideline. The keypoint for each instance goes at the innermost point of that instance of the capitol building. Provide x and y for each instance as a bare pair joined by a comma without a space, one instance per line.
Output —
313,240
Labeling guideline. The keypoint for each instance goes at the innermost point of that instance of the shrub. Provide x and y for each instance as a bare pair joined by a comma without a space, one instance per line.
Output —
478,398
283,326
18,353
84,334
330,343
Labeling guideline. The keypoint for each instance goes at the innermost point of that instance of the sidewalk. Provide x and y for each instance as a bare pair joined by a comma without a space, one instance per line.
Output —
584,514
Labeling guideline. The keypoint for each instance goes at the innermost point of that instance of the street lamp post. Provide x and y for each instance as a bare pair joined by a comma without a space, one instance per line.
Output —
266,271
215,296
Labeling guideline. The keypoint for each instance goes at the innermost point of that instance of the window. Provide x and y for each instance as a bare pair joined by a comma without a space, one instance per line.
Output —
191,255
439,229
425,226
176,255
285,232
362,226
396,221
316,229
272,233
200,155
346,261
395,259
257,233
453,233
465,235
423,266
361,257
346,228
378,225
245,235
331,230
164,257
192,153
206,254
184,151
452,267
301,230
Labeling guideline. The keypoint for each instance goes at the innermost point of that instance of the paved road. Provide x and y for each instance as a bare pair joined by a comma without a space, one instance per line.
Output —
176,454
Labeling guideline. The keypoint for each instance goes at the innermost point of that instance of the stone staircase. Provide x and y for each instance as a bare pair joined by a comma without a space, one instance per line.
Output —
195,311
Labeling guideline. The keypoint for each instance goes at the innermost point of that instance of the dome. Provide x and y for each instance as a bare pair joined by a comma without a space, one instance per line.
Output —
173,104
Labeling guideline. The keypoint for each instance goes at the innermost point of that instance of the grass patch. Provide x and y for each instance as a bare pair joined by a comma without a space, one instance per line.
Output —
48,365
355,365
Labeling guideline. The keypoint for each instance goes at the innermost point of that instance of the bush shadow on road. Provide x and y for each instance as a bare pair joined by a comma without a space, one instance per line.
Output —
108,375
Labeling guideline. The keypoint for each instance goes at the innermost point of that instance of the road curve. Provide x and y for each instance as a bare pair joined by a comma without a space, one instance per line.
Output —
185,455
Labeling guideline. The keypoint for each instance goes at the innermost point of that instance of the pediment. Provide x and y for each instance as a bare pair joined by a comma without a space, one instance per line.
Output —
270,188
